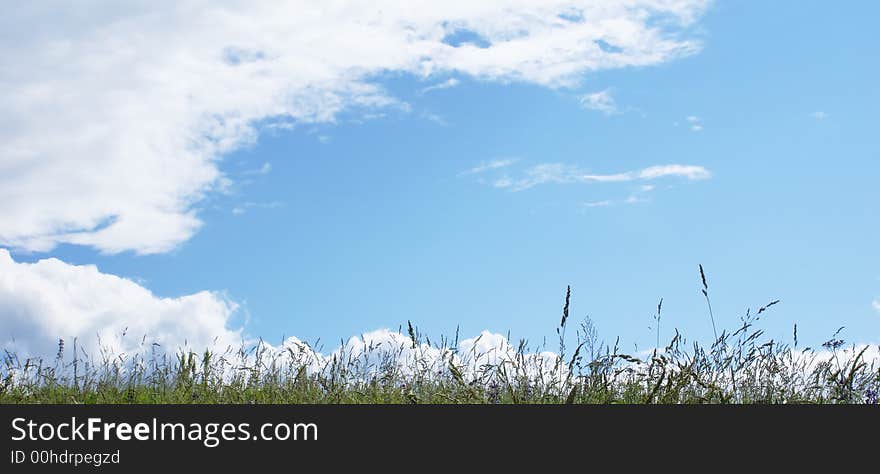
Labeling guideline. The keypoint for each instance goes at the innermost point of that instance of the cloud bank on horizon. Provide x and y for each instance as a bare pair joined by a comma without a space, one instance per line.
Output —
113,123
118,319
51,300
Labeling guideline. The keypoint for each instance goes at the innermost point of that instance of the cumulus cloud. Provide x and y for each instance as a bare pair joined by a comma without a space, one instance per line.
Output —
113,116
561,174
49,300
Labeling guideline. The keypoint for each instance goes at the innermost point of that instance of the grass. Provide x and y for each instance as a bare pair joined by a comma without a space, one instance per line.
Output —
740,366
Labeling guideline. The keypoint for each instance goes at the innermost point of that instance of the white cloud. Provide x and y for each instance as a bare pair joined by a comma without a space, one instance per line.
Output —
685,171
561,174
49,300
491,165
432,117
598,203
447,84
243,207
503,182
601,101
633,199
876,305
265,169
819,115
696,123
113,122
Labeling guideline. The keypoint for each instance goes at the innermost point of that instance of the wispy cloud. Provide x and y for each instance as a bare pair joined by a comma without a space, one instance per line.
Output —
432,117
560,173
696,123
601,101
876,305
819,115
639,195
490,165
266,168
502,182
635,199
447,84
244,207
690,172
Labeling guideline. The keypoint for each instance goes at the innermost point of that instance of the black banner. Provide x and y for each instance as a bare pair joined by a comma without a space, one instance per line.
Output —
131,438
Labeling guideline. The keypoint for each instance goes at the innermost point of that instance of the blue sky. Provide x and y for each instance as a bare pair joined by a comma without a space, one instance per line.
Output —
407,207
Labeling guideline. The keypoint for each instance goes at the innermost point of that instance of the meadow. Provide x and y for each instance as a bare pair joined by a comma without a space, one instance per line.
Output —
741,366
